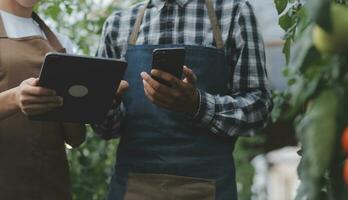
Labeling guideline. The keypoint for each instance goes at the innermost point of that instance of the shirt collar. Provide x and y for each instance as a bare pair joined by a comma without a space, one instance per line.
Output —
159,4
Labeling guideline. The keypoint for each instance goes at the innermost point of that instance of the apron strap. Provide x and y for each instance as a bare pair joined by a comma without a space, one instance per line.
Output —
212,16
215,24
134,36
3,33
51,37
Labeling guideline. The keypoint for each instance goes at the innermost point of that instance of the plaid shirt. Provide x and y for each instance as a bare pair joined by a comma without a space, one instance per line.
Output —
247,107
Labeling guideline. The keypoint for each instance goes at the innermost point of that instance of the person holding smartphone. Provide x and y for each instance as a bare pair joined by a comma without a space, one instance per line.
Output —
177,135
33,164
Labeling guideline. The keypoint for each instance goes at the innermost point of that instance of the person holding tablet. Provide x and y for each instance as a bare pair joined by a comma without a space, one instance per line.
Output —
33,164
177,139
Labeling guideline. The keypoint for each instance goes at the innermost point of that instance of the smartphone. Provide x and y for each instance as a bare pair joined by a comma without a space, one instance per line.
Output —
170,60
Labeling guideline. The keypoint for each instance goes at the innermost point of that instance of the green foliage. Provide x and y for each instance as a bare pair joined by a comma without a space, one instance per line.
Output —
245,150
317,130
91,167
316,95
82,20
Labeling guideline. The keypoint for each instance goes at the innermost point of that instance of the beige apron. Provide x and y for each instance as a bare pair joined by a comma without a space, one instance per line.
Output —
142,186
33,164
168,187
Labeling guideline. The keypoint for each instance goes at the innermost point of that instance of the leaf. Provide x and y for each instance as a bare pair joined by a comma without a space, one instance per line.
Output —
287,50
319,133
303,48
281,5
53,11
285,21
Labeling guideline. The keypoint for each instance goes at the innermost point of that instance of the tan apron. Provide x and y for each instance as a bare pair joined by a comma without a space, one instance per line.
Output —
33,164
168,187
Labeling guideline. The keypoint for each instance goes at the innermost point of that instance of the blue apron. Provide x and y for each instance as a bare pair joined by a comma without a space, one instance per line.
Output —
161,142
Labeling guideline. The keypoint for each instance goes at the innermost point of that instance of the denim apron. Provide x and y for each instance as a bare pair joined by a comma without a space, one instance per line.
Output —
162,155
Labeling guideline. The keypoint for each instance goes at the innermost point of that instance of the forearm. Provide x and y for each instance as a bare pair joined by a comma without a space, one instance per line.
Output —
241,114
112,125
75,134
8,104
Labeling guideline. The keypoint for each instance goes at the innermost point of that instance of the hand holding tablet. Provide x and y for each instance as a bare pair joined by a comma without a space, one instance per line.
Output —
87,85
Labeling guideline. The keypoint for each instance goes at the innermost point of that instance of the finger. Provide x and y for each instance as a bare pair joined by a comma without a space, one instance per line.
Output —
161,88
35,82
34,112
122,88
156,95
156,101
44,100
31,81
190,77
36,109
175,82
38,91
42,106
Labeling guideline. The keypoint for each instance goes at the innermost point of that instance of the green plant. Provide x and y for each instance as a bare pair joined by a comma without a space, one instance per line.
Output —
91,167
317,91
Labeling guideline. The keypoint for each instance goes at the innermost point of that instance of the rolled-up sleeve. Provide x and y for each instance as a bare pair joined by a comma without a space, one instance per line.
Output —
249,104
111,126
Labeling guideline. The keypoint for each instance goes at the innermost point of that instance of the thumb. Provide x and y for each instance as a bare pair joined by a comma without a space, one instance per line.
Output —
190,77
122,88
32,81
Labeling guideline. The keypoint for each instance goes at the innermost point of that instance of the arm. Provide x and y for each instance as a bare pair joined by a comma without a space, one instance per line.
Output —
8,103
111,126
75,134
247,108
28,98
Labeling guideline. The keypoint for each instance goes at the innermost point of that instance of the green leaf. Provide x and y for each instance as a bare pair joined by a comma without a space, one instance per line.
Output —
287,50
281,5
285,21
303,48
319,133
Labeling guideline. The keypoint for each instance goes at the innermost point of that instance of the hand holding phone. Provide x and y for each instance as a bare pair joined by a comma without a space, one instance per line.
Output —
170,60
183,97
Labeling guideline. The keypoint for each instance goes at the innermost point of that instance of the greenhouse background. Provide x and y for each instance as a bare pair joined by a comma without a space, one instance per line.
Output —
267,164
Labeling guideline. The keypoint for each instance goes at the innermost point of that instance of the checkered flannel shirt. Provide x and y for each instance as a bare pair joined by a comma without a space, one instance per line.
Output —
241,113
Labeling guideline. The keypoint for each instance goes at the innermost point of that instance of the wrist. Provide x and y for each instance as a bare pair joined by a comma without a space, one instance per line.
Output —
14,97
206,110
195,103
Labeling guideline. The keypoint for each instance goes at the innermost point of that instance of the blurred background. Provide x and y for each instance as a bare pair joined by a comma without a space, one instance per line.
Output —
266,164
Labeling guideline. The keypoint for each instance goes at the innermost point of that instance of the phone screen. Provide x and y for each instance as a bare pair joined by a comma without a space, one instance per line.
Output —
169,60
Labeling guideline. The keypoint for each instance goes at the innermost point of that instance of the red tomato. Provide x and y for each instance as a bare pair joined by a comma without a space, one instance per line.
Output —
345,140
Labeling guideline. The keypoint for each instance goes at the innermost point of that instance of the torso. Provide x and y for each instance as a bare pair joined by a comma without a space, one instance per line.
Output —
165,146
32,154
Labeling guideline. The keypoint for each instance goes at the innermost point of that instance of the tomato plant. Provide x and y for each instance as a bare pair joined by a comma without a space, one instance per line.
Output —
316,48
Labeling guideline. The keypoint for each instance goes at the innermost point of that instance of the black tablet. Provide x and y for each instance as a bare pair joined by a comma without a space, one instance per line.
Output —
87,84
